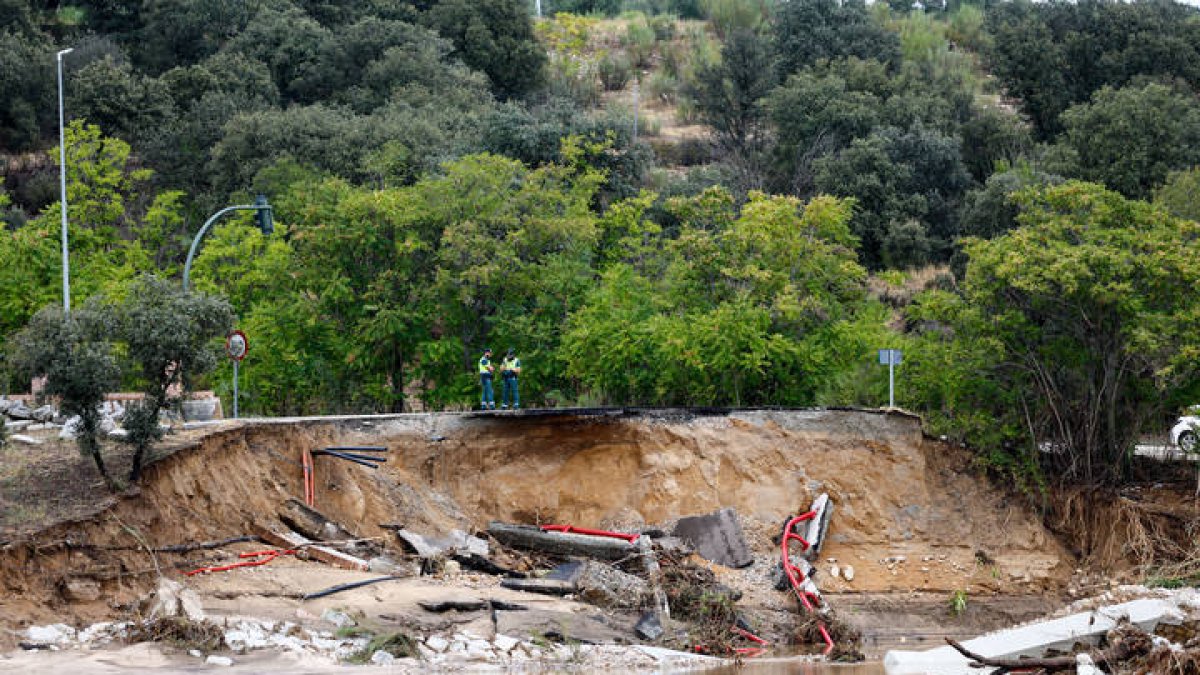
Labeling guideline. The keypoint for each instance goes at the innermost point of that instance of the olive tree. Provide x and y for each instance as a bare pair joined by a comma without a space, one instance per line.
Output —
168,334
73,353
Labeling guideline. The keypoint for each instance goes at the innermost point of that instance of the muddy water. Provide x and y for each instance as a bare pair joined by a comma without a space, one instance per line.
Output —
798,667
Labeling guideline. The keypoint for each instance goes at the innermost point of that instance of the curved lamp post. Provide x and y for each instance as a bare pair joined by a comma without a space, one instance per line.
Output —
265,220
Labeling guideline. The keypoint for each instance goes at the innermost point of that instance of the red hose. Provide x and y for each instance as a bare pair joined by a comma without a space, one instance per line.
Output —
264,557
565,529
793,572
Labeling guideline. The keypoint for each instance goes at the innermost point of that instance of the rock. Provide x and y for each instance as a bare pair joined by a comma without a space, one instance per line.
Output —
452,568
848,573
81,590
55,634
382,658
107,424
70,428
43,414
479,650
339,619
649,627
19,411
437,643
215,660
172,598
5,404
196,653
835,571
59,419
382,565
22,438
607,586
505,643
18,425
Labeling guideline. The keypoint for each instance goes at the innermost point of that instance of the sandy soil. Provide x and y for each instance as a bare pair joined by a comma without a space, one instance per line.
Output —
911,516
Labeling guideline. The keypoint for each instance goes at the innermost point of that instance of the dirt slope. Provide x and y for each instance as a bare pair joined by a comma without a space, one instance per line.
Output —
896,493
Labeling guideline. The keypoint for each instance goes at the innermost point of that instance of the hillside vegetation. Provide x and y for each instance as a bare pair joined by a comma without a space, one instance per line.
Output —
1006,193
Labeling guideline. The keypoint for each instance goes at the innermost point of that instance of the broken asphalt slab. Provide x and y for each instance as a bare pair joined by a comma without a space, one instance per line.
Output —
717,537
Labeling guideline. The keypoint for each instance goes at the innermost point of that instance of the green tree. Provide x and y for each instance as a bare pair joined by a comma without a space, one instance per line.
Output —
168,336
808,31
1086,316
728,94
73,352
495,37
1180,194
1130,139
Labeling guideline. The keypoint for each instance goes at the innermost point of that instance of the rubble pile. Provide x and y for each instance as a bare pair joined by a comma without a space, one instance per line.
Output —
20,421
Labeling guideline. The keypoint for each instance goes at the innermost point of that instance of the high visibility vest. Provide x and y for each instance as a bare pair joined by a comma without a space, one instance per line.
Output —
510,364
484,365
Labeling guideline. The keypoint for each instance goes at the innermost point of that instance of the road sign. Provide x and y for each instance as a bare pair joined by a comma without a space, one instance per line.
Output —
891,358
236,345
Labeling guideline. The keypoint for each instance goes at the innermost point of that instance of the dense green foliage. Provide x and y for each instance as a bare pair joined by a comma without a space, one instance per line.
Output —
448,175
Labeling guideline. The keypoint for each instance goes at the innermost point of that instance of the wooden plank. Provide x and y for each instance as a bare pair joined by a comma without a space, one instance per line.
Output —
322,553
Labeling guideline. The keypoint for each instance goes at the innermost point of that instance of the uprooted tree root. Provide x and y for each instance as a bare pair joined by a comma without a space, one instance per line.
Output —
1115,531
707,606
846,638
181,632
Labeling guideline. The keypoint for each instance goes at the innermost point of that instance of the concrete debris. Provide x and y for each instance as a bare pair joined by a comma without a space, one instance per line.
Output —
19,411
561,543
288,540
606,586
818,526
43,414
215,660
1036,639
172,598
848,573
22,438
17,425
649,627
717,537
54,634
456,541
382,658
339,619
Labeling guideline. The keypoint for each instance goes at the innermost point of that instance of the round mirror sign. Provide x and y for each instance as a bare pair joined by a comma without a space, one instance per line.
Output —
236,345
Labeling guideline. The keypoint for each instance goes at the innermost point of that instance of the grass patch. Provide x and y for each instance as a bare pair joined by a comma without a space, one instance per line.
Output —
398,645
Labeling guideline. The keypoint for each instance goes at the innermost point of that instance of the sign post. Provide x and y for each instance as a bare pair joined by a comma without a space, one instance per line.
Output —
891,358
236,346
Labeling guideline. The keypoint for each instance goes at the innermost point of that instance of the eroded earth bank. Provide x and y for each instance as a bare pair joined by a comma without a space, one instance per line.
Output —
916,524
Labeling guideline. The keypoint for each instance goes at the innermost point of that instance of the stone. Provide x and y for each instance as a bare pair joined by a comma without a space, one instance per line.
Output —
479,650
214,660
606,586
835,571
717,537
848,573
505,643
452,568
70,428
382,658
81,590
19,411
339,619
196,653
649,627
22,438
437,643
172,598
44,413
382,565
59,633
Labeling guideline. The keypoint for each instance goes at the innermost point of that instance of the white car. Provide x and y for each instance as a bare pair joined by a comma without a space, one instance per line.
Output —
1183,434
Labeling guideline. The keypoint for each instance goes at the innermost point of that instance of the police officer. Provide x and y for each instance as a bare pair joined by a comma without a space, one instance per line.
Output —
510,368
488,401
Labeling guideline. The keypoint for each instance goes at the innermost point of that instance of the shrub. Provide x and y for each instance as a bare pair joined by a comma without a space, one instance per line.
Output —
639,41
615,71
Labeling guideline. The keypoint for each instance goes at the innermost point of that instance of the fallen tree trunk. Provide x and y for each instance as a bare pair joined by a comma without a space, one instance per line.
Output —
561,543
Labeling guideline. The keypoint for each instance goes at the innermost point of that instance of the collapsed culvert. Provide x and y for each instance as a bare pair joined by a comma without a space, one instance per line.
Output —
907,516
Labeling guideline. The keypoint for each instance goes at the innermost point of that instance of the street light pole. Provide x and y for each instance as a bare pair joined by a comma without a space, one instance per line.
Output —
62,176
265,224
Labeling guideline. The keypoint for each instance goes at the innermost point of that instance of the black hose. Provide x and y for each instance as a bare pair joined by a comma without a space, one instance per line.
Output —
345,587
339,455
359,448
